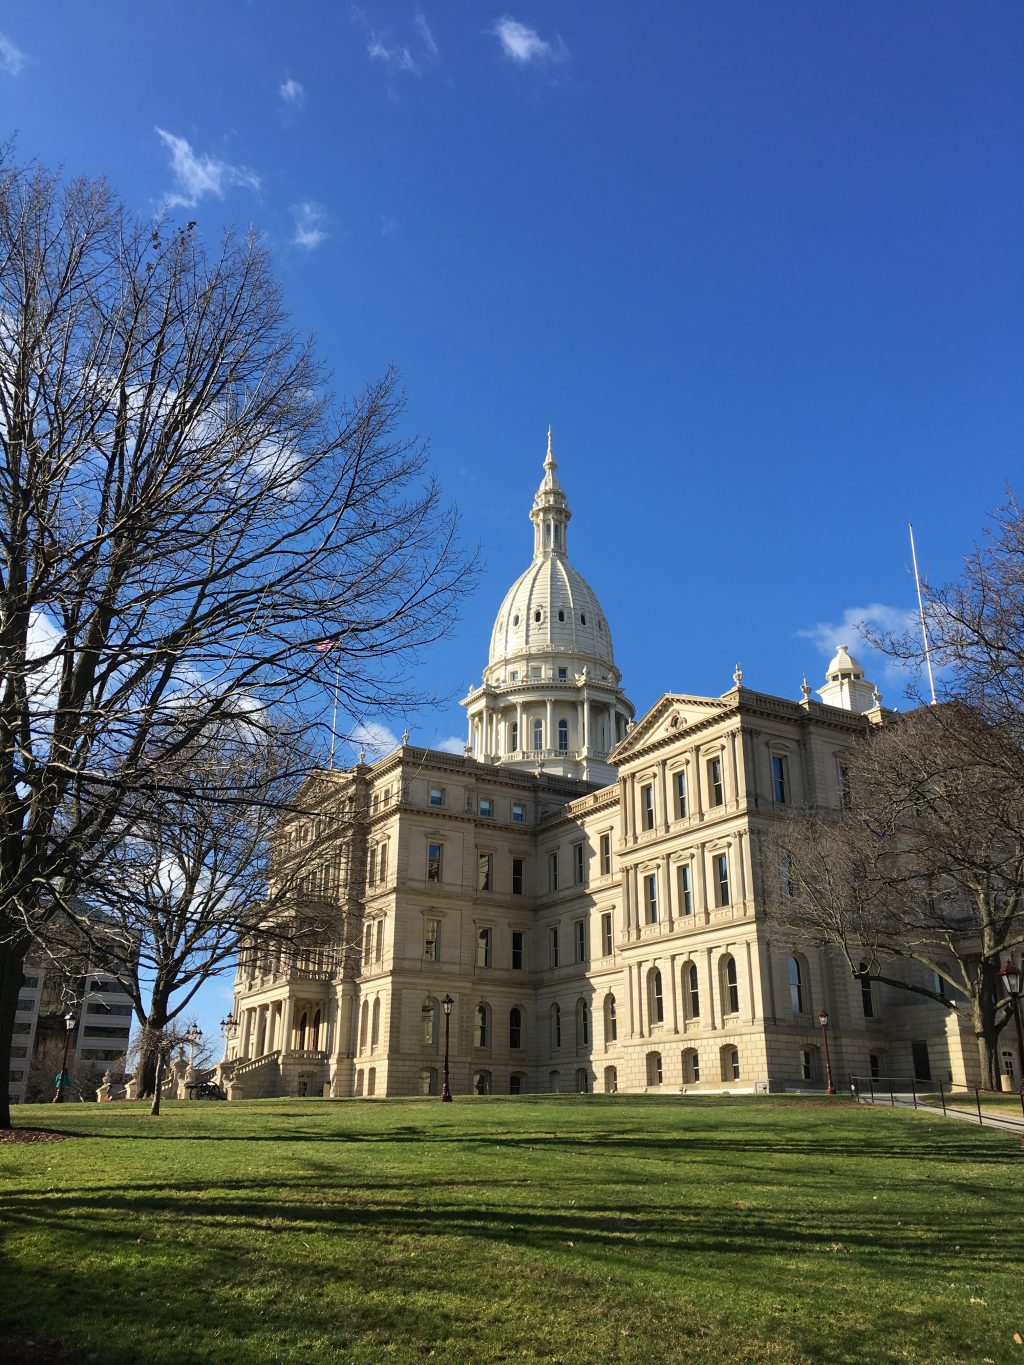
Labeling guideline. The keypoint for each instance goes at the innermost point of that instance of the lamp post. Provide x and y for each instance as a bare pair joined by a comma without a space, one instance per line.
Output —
823,1021
1010,976
193,1035
446,1004
69,1028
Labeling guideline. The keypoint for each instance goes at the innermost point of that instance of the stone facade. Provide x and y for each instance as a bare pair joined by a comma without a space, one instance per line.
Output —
594,905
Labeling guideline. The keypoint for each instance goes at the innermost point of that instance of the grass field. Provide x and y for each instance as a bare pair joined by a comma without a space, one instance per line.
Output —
568,1229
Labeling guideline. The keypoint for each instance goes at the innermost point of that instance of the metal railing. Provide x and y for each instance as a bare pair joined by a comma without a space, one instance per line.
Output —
921,1094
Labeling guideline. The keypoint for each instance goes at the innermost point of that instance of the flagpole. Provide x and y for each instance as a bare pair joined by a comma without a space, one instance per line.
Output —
334,711
920,609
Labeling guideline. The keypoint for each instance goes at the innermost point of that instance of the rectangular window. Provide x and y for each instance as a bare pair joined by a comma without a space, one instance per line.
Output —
844,786
483,948
486,808
716,792
378,952
367,945
806,1065
577,864
606,933
553,871
553,946
382,863
517,950
485,872
606,855
563,674
581,940
518,813
722,878
780,783
651,897
518,869
647,807
437,796
371,866
681,806
686,890
434,862
432,940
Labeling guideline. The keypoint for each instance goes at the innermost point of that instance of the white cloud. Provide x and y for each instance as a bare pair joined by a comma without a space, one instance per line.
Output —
310,224
524,45
877,618
292,92
197,175
12,59
375,738
399,58
388,225
426,36
454,744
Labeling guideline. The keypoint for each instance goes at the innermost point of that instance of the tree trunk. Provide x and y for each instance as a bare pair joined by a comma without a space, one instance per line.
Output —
983,1017
158,1082
12,963
149,1047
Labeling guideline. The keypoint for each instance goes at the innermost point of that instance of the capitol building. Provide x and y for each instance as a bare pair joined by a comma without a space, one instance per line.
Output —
587,888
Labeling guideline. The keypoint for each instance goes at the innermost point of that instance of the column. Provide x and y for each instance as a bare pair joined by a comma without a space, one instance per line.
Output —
735,769
711,989
697,794
549,733
673,973
585,720
752,1012
286,1031
668,893
581,740
639,966
520,736
665,794
741,863
627,901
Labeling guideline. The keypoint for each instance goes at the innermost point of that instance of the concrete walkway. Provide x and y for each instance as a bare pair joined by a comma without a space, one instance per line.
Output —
989,1119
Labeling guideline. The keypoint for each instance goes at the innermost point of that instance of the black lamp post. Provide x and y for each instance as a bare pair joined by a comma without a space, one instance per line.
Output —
446,1004
193,1035
69,1028
1010,976
823,1021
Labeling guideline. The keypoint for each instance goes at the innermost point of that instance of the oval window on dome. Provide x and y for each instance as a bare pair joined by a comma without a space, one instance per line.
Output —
515,619
536,615
561,615
583,619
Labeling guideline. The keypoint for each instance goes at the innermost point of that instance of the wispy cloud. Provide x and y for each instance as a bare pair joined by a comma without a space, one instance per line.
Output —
454,744
373,737
310,224
854,629
293,92
396,56
525,45
388,225
12,59
199,174
426,36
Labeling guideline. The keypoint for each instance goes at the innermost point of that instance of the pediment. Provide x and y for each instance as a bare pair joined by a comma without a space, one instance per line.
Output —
668,717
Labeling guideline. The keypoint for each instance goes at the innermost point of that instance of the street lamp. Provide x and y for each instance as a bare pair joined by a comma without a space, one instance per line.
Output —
193,1035
1011,979
446,1004
69,1028
823,1021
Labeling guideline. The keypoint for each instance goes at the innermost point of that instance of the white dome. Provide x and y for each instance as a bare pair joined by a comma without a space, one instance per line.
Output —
551,606
843,665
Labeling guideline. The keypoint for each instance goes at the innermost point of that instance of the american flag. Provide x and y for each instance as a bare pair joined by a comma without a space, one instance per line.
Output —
325,646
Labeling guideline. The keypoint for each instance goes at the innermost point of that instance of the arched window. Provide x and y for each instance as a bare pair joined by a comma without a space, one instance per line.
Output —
611,1029
375,1024
371,1081
691,1067
691,991
556,1027
611,1080
582,1080
657,998
582,1024
538,734
730,1064
513,736
561,614
515,1027
302,1031
482,1031
654,1071
359,1082
314,1032
563,736
429,1017
730,986
796,985
516,1083
866,1000
553,1082
428,1082
364,1019
482,1082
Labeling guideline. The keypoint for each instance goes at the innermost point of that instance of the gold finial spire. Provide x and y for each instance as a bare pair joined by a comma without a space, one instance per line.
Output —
550,457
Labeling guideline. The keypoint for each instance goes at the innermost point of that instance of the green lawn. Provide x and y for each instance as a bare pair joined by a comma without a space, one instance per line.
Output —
561,1229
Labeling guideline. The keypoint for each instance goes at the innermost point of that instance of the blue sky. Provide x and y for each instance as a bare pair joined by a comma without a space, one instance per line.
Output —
759,265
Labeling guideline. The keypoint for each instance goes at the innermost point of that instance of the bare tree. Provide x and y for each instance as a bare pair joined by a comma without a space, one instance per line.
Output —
925,864
185,511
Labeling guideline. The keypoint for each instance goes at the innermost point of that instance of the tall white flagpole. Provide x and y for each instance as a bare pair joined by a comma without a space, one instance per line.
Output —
334,710
920,609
